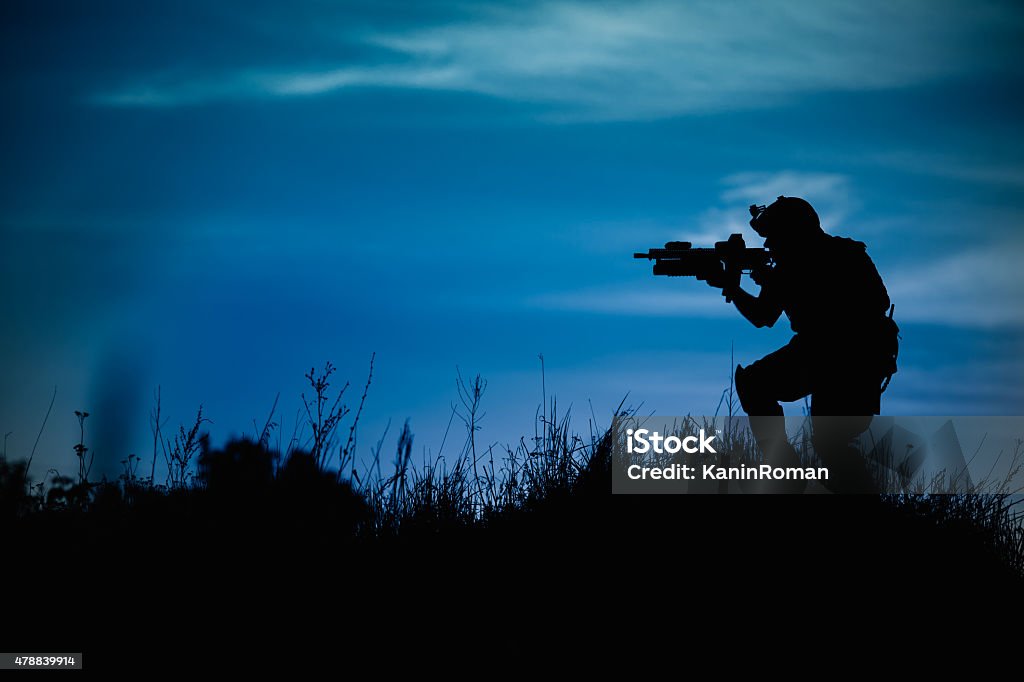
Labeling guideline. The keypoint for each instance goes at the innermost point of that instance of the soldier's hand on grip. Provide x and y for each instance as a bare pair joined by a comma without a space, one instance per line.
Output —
714,278
759,275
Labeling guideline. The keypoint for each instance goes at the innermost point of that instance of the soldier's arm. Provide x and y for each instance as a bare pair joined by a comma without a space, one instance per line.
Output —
761,310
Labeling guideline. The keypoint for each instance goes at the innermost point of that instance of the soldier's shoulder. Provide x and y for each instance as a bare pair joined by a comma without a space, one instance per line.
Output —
846,250
847,244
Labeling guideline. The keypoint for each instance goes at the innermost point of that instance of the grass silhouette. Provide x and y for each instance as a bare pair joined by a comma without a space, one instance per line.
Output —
322,486
289,530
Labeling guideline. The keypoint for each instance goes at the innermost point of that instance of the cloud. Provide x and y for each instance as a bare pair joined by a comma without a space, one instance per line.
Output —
696,303
169,90
956,167
831,194
979,287
627,61
764,187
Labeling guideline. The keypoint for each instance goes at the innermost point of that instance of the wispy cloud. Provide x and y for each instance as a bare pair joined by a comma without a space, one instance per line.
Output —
831,194
979,287
694,303
956,167
759,187
169,90
632,60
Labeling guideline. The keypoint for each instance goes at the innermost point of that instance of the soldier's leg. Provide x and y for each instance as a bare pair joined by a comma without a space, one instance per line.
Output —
780,376
841,409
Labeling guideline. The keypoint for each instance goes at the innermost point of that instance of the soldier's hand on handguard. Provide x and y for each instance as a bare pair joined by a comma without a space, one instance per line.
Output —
720,279
714,278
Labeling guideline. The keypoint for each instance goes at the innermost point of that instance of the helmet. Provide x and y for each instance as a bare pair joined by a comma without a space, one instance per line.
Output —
793,215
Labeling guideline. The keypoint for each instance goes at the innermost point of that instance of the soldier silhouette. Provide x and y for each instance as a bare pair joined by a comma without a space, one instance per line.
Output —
844,346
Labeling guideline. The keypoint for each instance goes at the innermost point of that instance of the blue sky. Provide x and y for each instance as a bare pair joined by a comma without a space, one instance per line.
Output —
215,197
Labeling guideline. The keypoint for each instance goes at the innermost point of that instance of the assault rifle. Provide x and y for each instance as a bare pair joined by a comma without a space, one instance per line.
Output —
724,262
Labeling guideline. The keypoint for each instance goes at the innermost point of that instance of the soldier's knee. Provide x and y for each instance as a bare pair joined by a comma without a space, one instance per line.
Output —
746,389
